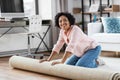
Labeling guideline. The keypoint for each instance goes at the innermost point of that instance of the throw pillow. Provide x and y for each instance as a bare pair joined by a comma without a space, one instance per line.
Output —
111,24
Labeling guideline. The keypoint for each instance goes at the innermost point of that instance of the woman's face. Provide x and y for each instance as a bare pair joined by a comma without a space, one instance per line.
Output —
64,23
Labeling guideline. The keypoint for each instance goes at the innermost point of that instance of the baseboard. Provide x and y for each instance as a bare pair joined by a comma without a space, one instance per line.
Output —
20,52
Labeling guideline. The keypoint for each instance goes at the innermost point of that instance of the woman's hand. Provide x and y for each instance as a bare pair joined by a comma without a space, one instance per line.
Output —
49,58
56,62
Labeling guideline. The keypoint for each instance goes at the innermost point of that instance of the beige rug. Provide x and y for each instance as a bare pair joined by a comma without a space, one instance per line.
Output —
62,70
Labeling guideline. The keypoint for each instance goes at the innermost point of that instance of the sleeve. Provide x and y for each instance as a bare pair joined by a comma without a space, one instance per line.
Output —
57,47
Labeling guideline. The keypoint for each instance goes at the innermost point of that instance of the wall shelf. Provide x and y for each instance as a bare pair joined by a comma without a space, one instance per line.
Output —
100,12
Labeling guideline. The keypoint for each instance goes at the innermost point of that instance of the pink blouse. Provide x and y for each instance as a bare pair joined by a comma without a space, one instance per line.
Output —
78,42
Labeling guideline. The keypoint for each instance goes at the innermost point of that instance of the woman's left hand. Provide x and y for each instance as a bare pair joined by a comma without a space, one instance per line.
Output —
56,62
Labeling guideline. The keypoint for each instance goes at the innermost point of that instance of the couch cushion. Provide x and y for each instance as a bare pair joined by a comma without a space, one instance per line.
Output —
111,25
107,38
94,28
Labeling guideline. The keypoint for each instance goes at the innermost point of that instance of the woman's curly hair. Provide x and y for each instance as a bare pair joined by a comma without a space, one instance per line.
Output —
68,15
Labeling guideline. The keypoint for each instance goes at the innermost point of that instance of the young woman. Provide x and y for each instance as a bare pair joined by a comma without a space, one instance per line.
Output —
84,50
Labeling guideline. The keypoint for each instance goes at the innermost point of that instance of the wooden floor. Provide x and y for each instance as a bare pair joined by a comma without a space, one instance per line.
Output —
7,73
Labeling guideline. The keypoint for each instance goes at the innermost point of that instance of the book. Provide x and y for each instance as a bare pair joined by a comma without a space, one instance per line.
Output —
94,8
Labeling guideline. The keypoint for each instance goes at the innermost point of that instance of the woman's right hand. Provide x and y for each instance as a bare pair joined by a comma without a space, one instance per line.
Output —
50,57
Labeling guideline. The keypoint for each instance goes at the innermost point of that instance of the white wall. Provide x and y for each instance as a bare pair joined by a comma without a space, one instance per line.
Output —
29,7
11,42
45,9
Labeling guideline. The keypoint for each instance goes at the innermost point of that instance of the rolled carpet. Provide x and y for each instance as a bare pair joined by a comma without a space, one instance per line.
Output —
62,70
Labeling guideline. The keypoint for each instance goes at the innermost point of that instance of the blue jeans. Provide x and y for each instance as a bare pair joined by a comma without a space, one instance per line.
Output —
87,60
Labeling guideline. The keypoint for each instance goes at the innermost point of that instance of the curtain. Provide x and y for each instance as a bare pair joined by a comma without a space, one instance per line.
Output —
58,6
63,5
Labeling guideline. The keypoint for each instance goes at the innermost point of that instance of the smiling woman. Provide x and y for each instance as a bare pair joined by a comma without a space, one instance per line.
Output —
85,50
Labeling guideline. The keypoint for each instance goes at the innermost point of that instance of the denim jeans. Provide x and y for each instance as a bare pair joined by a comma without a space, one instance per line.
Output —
87,60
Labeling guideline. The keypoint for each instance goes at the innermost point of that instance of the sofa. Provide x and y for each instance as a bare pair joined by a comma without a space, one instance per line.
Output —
109,41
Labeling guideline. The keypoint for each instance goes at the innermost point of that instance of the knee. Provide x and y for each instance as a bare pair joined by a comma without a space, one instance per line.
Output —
88,65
